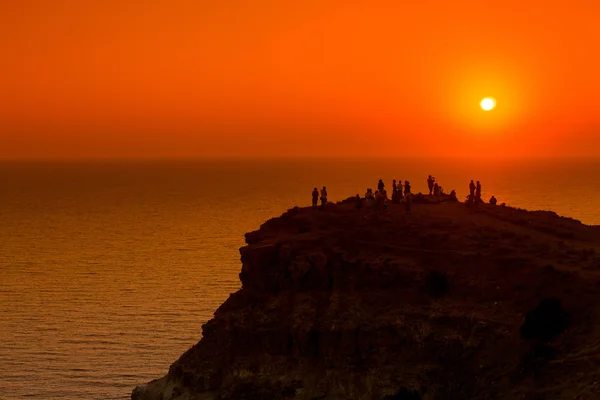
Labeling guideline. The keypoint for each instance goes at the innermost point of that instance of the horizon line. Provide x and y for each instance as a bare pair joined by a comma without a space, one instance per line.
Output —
292,158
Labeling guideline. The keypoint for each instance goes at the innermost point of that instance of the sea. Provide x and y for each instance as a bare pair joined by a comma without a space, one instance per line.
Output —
108,269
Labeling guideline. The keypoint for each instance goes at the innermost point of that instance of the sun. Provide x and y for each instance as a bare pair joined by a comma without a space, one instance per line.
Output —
489,103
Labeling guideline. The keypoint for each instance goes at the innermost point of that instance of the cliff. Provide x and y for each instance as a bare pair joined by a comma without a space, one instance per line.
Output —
445,303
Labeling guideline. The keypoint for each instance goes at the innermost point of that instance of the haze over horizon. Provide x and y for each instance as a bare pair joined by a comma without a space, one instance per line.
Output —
323,78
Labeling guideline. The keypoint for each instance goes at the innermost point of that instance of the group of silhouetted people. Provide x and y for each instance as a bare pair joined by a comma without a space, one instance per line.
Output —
377,199
435,189
397,188
316,198
474,196
402,193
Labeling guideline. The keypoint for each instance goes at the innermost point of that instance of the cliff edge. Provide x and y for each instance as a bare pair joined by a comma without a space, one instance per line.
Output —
444,303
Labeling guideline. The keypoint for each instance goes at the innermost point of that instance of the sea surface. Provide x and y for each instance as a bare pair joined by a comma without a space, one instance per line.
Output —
109,269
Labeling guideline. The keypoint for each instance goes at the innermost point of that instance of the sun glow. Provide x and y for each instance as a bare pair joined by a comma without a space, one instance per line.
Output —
489,103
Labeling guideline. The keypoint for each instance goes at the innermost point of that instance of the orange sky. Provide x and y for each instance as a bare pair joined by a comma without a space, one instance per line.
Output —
82,78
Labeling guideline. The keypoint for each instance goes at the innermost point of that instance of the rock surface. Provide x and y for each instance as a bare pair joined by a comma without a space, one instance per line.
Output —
346,304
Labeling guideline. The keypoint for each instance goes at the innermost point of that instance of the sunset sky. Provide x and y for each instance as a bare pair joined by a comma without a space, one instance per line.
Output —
89,79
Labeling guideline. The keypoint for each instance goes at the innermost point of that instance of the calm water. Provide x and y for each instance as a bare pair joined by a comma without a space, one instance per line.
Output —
108,270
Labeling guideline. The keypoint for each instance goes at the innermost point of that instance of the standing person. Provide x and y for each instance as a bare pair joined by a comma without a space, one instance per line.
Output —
394,188
399,188
315,197
323,196
436,189
406,187
380,185
430,181
472,189
478,192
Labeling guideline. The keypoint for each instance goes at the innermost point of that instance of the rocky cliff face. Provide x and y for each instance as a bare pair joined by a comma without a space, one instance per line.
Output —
347,304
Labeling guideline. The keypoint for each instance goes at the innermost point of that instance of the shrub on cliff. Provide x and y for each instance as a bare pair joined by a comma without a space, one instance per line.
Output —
404,394
547,320
436,283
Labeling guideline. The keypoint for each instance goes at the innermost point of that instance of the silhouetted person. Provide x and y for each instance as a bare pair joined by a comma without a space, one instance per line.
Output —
493,201
394,188
380,185
358,202
315,197
399,189
430,181
323,196
436,189
472,189
478,191
406,187
453,194
408,203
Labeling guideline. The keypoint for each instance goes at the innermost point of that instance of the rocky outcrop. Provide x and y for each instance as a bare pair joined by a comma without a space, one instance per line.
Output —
445,303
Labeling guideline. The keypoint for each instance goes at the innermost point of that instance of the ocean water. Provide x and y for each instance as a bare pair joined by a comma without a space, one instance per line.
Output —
109,269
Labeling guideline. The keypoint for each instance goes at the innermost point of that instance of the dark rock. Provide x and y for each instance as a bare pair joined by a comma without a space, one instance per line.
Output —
404,394
340,304
547,320
436,283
